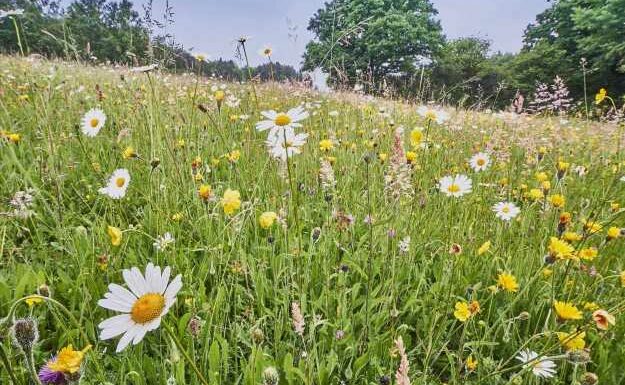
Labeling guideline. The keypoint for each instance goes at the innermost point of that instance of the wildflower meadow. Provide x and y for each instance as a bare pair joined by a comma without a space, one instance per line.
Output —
175,229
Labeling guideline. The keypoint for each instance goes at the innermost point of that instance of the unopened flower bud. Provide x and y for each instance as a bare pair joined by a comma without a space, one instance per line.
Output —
271,376
25,333
589,378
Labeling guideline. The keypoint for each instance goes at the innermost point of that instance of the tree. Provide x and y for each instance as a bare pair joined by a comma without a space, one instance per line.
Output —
368,40
572,30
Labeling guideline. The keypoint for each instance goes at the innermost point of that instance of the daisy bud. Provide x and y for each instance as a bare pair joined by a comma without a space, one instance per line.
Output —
523,316
25,333
578,356
258,336
195,326
589,378
44,291
316,233
271,376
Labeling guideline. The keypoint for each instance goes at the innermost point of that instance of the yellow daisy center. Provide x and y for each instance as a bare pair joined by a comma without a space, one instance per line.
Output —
147,308
94,122
119,182
505,209
453,188
481,162
431,115
282,119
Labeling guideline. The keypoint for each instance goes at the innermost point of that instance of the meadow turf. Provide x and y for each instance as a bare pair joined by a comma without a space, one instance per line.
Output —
345,275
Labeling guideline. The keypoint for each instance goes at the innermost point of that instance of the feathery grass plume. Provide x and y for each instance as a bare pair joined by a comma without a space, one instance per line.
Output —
297,318
401,375
326,176
397,183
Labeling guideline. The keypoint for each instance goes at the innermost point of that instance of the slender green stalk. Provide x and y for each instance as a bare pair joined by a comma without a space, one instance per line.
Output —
186,356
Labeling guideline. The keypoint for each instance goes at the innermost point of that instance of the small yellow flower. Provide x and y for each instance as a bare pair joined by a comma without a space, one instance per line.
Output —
32,301
556,200
129,153
416,136
471,364
573,340
177,217
507,282
464,310
115,234
484,248
562,166
233,156
567,311
382,156
231,201
614,232
536,194
267,219
205,192
68,360
541,176
560,249
326,145
592,227
219,96
571,236
14,138
601,95
615,206
588,253
591,306
411,156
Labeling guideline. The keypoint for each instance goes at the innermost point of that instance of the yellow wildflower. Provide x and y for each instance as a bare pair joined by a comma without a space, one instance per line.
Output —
567,311
115,234
507,282
231,201
267,219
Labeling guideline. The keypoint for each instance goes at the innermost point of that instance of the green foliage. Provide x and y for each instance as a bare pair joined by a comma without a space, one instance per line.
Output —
366,41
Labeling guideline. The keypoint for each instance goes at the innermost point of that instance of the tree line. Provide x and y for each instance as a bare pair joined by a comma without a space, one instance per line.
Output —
398,47
115,32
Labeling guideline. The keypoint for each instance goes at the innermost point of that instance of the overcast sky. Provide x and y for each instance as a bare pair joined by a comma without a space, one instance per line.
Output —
211,26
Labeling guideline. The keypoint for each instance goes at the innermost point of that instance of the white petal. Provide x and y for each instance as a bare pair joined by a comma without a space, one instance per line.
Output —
122,293
165,279
127,338
140,334
133,283
111,304
174,287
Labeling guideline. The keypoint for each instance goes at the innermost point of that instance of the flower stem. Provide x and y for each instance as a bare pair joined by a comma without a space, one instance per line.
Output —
7,364
184,353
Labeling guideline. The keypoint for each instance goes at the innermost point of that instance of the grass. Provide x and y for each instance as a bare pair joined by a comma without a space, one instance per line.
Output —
358,292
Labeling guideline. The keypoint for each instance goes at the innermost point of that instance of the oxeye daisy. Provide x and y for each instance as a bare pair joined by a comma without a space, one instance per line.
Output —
93,121
479,162
506,210
541,366
455,186
150,297
117,184
433,114
287,146
276,122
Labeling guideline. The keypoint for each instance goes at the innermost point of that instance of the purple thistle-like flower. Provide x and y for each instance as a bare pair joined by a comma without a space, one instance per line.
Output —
49,376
